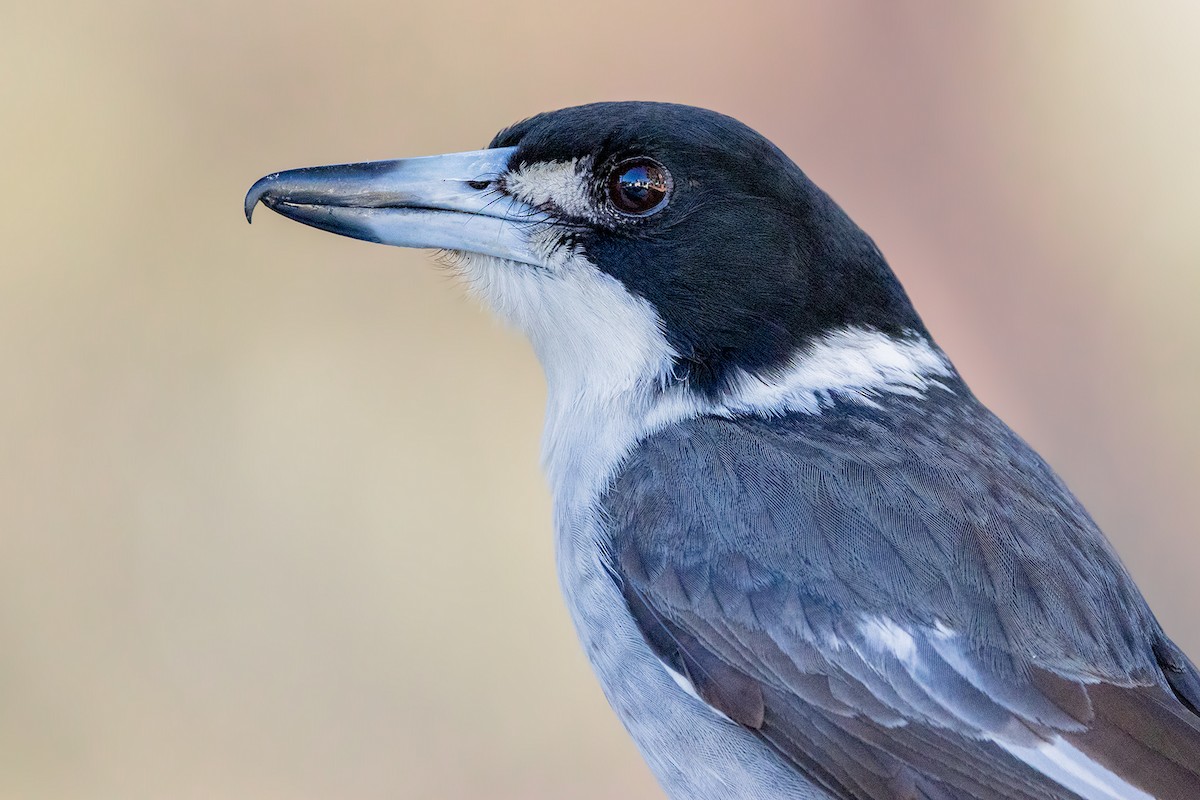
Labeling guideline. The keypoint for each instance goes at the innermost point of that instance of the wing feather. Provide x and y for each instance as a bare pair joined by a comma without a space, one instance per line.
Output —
900,614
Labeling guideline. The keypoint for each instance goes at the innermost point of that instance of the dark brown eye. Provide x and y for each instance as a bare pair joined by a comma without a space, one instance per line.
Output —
639,186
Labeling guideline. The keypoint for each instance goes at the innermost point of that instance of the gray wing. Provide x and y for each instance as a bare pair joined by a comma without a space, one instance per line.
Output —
903,614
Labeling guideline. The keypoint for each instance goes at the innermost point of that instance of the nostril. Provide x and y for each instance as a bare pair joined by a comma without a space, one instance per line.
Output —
479,185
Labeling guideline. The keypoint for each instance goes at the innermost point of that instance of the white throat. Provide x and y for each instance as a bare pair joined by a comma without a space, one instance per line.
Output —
605,357
608,368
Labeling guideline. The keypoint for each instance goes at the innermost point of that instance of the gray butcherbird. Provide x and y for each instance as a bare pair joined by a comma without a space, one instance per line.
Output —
804,560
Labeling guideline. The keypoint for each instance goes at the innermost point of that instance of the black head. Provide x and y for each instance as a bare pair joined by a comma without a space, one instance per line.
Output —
745,259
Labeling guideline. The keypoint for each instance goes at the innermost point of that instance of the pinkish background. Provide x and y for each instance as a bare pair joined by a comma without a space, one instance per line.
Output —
271,520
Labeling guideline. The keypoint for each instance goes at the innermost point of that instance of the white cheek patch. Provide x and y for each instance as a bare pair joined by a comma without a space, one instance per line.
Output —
562,185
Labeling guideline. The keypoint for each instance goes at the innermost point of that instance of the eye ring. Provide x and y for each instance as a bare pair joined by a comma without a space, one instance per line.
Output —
638,187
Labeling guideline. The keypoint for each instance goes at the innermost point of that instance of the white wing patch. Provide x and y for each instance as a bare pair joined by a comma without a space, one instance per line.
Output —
1057,758
1062,762
686,685
887,635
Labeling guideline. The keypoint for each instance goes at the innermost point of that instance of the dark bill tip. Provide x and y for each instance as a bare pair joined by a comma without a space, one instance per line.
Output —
357,185
257,193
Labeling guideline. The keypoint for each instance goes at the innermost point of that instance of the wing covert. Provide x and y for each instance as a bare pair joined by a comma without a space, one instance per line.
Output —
938,620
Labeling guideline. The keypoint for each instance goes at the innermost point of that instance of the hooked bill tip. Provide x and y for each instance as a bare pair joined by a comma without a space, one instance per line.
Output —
256,194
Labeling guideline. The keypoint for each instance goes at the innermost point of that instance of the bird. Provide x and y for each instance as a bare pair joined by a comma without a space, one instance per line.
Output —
803,559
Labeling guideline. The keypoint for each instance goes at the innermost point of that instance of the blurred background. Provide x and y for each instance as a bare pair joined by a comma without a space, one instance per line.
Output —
271,519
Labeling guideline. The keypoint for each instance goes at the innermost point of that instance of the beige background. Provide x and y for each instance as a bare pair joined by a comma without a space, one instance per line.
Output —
271,521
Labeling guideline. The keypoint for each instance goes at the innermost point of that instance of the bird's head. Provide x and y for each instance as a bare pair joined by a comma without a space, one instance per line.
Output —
637,244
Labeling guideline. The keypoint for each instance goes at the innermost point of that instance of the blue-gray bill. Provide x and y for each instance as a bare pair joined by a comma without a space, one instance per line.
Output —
443,202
